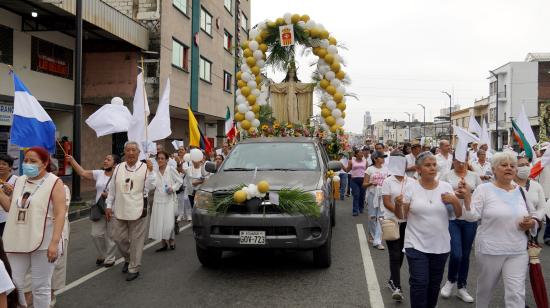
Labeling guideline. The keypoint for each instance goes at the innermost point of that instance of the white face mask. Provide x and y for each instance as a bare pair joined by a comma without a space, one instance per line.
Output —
523,172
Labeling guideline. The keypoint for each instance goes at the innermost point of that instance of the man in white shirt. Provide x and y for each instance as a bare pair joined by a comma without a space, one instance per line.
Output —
127,202
411,159
473,151
482,167
444,158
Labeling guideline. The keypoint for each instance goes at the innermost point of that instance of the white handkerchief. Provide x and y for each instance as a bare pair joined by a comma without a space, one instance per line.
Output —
218,151
177,144
397,165
274,198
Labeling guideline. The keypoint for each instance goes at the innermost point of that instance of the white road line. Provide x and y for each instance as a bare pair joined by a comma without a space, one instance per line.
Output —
91,275
80,219
373,287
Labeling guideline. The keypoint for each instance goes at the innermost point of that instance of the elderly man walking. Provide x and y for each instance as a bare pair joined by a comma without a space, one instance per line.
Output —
127,202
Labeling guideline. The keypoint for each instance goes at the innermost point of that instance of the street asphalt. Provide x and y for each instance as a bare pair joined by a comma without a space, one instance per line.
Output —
251,278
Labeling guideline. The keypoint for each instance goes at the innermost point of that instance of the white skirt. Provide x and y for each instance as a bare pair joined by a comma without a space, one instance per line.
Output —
162,220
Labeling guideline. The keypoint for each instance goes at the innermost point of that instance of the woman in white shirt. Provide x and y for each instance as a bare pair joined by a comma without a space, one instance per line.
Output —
533,190
501,242
101,234
427,205
7,181
462,233
392,187
373,180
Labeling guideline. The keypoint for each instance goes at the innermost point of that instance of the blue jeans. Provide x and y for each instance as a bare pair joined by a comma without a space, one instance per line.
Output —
375,230
343,184
462,234
425,274
358,193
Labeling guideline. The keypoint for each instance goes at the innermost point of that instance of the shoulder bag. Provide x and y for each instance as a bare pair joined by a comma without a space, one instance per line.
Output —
98,209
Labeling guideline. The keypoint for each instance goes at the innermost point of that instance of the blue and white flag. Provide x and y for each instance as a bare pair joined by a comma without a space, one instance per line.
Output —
31,126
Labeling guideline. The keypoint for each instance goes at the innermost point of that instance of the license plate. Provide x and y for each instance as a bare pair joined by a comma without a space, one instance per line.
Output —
252,237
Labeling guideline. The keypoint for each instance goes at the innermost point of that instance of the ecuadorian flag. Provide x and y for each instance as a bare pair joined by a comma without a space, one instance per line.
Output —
31,126
523,133
196,136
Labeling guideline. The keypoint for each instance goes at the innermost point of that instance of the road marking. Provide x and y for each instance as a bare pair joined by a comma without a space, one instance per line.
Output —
80,219
373,287
91,275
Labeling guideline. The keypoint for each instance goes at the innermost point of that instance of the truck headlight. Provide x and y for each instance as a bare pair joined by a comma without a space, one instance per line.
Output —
203,200
319,197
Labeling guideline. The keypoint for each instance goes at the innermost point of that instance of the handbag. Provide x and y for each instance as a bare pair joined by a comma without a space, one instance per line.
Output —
97,210
390,229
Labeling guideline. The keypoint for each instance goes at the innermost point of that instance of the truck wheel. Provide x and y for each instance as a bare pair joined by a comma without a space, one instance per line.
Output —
333,214
321,255
209,257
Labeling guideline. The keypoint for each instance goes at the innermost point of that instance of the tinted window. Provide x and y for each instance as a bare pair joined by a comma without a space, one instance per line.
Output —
266,156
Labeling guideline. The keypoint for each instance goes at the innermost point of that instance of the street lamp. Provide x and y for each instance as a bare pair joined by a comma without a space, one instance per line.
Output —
407,113
424,124
450,111
496,109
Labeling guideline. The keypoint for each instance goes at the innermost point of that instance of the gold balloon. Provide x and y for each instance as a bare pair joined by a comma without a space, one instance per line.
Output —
271,24
245,91
341,75
324,34
244,45
280,21
247,53
343,114
255,70
250,61
258,79
263,47
245,124
322,52
251,99
337,97
329,58
335,67
315,32
259,39
264,34
256,108
325,112
332,41
241,84
315,50
239,75
295,18
330,90
330,120
304,18
341,106
239,116
239,196
334,128
324,83
323,105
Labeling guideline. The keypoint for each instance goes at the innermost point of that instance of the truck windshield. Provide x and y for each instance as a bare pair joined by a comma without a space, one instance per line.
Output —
272,156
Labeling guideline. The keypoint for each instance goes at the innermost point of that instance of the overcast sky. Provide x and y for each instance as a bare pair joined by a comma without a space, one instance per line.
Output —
405,52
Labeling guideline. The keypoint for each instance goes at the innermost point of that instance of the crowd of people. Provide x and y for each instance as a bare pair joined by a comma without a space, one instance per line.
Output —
436,204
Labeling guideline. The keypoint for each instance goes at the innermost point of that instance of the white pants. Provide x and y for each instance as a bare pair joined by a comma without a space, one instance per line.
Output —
512,269
104,244
184,206
41,272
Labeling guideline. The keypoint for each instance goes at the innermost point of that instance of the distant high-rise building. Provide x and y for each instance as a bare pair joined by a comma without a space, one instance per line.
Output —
367,120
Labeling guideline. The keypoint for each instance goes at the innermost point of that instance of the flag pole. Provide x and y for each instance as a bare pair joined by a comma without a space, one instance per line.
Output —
145,108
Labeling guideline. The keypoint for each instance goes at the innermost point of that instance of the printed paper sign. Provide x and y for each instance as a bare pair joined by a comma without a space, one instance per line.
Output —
286,34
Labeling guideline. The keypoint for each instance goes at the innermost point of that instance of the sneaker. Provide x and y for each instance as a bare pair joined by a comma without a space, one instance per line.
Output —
447,289
463,294
380,247
397,295
391,286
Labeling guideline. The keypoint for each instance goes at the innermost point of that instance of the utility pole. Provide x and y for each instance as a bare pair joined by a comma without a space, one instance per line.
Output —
450,111
77,109
497,146
407,113
424,124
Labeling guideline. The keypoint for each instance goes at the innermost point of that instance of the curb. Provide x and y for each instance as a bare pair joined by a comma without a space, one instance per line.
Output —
82,211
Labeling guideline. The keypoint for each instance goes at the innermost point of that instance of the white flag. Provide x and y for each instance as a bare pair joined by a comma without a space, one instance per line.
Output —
136,131
464,138
177,144
525,127
109,119
159,128
473,126
485,137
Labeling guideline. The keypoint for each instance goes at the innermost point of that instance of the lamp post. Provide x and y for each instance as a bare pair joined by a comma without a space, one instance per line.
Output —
77,108
496,110
450,111
424,122
407,113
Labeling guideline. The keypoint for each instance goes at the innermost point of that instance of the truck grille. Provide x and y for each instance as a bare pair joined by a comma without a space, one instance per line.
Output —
269,231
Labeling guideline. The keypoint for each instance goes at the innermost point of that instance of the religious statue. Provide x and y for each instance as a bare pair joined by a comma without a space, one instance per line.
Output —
292,100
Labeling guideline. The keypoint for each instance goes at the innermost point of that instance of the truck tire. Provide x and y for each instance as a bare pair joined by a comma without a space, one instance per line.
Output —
209,257
322,255
333,214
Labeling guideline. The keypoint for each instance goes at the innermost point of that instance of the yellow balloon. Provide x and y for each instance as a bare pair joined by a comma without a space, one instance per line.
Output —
343,114
304,18
256,108
323,105
315,32
250,61
239,75
330,90
244,45
335,67
324,83
245,124
255,70
330,120
247,53
324,34
251,99
337,97
263,47
329,58
241,84
263,186
245,91
341,106
315,50
341,75
280,21
322,52
325,112
239,196
259,79
295,18
239,116
332,41
334,128
259,39
271,24
264,34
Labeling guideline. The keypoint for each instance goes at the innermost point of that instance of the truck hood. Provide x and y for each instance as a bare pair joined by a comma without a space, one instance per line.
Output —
305,180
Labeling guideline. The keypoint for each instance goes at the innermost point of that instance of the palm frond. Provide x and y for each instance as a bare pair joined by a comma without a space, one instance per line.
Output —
294,201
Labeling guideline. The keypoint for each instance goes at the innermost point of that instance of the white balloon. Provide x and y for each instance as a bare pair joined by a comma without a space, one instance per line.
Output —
340,122
336,113
341,89
246,77
261,25
324,99
323,120
241,99
187,157
249,115
323,69
117,101
260,63
335,82
253,33
238,92
332,49
253,45
243,108
256,92
302,23
245,68
288,18
331,105
258,54
321,62
196,155
330,75
325,43
251,84
255,123
320,26
310,24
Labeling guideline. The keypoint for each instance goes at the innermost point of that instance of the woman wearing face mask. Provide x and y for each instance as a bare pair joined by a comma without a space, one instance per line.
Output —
101,234
462,233
34,226
534,191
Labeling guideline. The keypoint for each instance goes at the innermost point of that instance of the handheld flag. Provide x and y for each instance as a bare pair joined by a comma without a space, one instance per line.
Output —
110,118
473,125
32,126
523,133
159,128
541,164
196,136
229,125
485,137
138,124
464,138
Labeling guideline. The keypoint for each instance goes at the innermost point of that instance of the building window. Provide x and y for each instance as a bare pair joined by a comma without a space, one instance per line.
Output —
226,82
227,40
6,45
51,59
181,5
244,22
493,88
180,55
206,21
205,68
228,4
